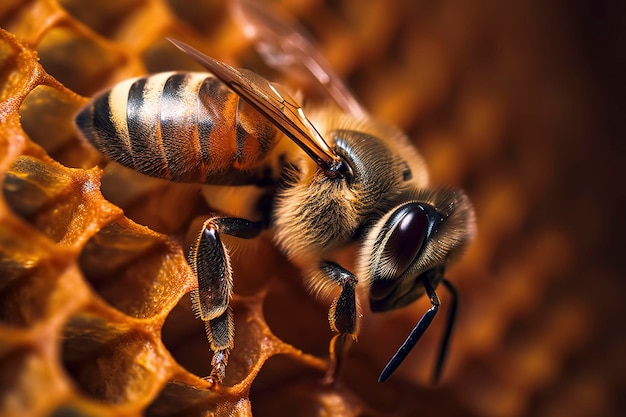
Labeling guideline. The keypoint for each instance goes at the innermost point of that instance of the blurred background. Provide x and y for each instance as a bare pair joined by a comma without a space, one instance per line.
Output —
519,103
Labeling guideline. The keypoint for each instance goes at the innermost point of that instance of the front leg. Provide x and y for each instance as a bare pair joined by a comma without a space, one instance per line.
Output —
210,262
343,316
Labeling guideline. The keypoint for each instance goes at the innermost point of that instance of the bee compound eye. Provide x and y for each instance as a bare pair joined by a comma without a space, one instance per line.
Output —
410,228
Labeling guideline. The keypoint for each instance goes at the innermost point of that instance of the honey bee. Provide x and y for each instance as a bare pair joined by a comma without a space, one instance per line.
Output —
338,180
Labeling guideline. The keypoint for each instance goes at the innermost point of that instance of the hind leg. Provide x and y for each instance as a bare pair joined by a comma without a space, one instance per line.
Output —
210,261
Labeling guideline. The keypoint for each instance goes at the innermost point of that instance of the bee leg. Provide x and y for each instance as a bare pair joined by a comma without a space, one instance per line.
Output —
210,261
342,316
219,332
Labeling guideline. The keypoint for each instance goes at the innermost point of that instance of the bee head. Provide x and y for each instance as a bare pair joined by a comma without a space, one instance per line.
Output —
413,243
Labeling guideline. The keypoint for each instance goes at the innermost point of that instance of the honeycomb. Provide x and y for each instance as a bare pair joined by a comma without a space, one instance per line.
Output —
95,317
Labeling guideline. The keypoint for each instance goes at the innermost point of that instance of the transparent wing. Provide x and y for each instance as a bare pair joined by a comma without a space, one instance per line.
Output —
274,103
285,47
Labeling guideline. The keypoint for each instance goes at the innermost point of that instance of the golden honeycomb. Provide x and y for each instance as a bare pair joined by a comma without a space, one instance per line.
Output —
504,101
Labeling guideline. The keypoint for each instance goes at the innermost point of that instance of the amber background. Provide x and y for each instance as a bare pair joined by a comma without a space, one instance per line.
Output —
520,104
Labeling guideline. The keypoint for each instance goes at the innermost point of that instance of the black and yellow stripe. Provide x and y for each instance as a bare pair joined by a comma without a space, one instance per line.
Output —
181,126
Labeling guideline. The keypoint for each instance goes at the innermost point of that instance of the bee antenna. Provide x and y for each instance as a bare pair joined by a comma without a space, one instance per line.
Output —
445,340
419,330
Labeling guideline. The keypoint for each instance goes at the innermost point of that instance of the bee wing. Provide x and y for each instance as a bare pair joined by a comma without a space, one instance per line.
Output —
274,103
286,47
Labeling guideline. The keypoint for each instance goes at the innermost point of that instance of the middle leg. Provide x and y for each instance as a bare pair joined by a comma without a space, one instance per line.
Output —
342,316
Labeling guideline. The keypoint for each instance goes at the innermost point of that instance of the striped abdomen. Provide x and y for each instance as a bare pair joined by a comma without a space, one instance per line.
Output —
180,126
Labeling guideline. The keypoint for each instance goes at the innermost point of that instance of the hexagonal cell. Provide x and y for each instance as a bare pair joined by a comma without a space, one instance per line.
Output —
103,16
44,292
203,15
26,19
301,391
18,257
109,361
29,382
47,116
179,398
162,205
37,282
184,336
80,63
289,308
163,56
10,75
30,184
63,204
139,272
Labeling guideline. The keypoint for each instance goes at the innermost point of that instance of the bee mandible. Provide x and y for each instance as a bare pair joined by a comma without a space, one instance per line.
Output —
337,178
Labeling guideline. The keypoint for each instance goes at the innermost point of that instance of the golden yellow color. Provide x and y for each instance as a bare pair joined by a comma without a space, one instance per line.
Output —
95,317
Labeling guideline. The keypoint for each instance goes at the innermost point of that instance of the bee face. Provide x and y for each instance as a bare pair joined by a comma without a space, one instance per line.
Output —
408,232
413,243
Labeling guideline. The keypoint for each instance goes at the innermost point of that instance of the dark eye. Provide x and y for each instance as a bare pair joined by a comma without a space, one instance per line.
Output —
399,244
406,231
410,228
